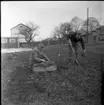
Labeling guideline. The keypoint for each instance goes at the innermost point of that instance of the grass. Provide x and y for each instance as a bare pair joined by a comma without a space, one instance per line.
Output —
70,86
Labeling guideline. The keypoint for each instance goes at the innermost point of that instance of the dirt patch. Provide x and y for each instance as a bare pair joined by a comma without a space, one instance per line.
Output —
72,85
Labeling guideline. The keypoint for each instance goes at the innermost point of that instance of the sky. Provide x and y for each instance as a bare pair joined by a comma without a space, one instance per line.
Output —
46,14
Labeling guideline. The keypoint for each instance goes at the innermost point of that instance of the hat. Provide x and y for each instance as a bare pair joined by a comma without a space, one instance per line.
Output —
40,45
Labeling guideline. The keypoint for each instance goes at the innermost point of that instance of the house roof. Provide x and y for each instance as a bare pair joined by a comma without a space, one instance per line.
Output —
19,25
101,28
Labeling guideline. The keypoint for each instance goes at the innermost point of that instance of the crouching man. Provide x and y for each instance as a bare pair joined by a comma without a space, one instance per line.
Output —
73,39
39,60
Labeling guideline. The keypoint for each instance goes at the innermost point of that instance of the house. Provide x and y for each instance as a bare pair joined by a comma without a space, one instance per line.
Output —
94,37
15,32
15,39
98,34
99,31
9,42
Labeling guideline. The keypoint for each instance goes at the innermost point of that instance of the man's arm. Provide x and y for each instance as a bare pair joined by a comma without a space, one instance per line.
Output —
71,46
45,57
83,45
34,56
73,52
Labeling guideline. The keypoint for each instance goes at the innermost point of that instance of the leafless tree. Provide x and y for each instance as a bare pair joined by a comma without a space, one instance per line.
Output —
60,31
29,31
76,23
56,34
65,28
93,24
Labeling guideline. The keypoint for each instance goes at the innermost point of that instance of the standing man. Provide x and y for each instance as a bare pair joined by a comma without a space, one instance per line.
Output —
74,38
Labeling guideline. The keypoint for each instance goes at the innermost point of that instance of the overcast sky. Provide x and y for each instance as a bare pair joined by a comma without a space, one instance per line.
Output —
47,14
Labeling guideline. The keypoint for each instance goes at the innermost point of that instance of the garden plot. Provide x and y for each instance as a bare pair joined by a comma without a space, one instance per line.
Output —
20,86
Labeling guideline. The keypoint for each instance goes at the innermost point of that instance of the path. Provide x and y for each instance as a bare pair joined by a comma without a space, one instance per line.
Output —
15,50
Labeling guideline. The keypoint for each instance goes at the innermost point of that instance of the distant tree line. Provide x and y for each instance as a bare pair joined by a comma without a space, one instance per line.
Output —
59,31
76,25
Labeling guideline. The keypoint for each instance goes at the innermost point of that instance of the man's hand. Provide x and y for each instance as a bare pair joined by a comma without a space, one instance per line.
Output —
43,60
50,62
47,59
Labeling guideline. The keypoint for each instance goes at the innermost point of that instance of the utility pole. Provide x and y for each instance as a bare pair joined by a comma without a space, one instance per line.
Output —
87,24
87,20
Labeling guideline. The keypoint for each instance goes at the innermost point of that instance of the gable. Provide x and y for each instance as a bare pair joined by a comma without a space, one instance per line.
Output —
15,30
18,26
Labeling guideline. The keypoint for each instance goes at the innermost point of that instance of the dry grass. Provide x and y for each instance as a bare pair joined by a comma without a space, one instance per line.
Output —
70,86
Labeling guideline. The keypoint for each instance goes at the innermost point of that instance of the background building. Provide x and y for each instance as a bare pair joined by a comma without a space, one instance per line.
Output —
9,42
15,32
15,39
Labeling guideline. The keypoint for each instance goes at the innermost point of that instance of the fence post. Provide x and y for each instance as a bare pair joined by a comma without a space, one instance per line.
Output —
18,42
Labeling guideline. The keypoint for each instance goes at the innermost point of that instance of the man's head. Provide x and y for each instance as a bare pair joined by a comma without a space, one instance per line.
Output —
40,46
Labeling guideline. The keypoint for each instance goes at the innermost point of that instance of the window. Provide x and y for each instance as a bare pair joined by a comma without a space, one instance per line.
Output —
4,40
12,40
94,38
100,38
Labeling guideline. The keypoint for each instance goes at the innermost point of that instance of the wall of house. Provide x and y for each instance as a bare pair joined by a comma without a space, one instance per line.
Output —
95,39
14,32
9,43
100,39
99,36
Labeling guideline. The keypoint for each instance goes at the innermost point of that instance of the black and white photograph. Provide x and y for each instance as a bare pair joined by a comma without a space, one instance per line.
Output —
52,52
